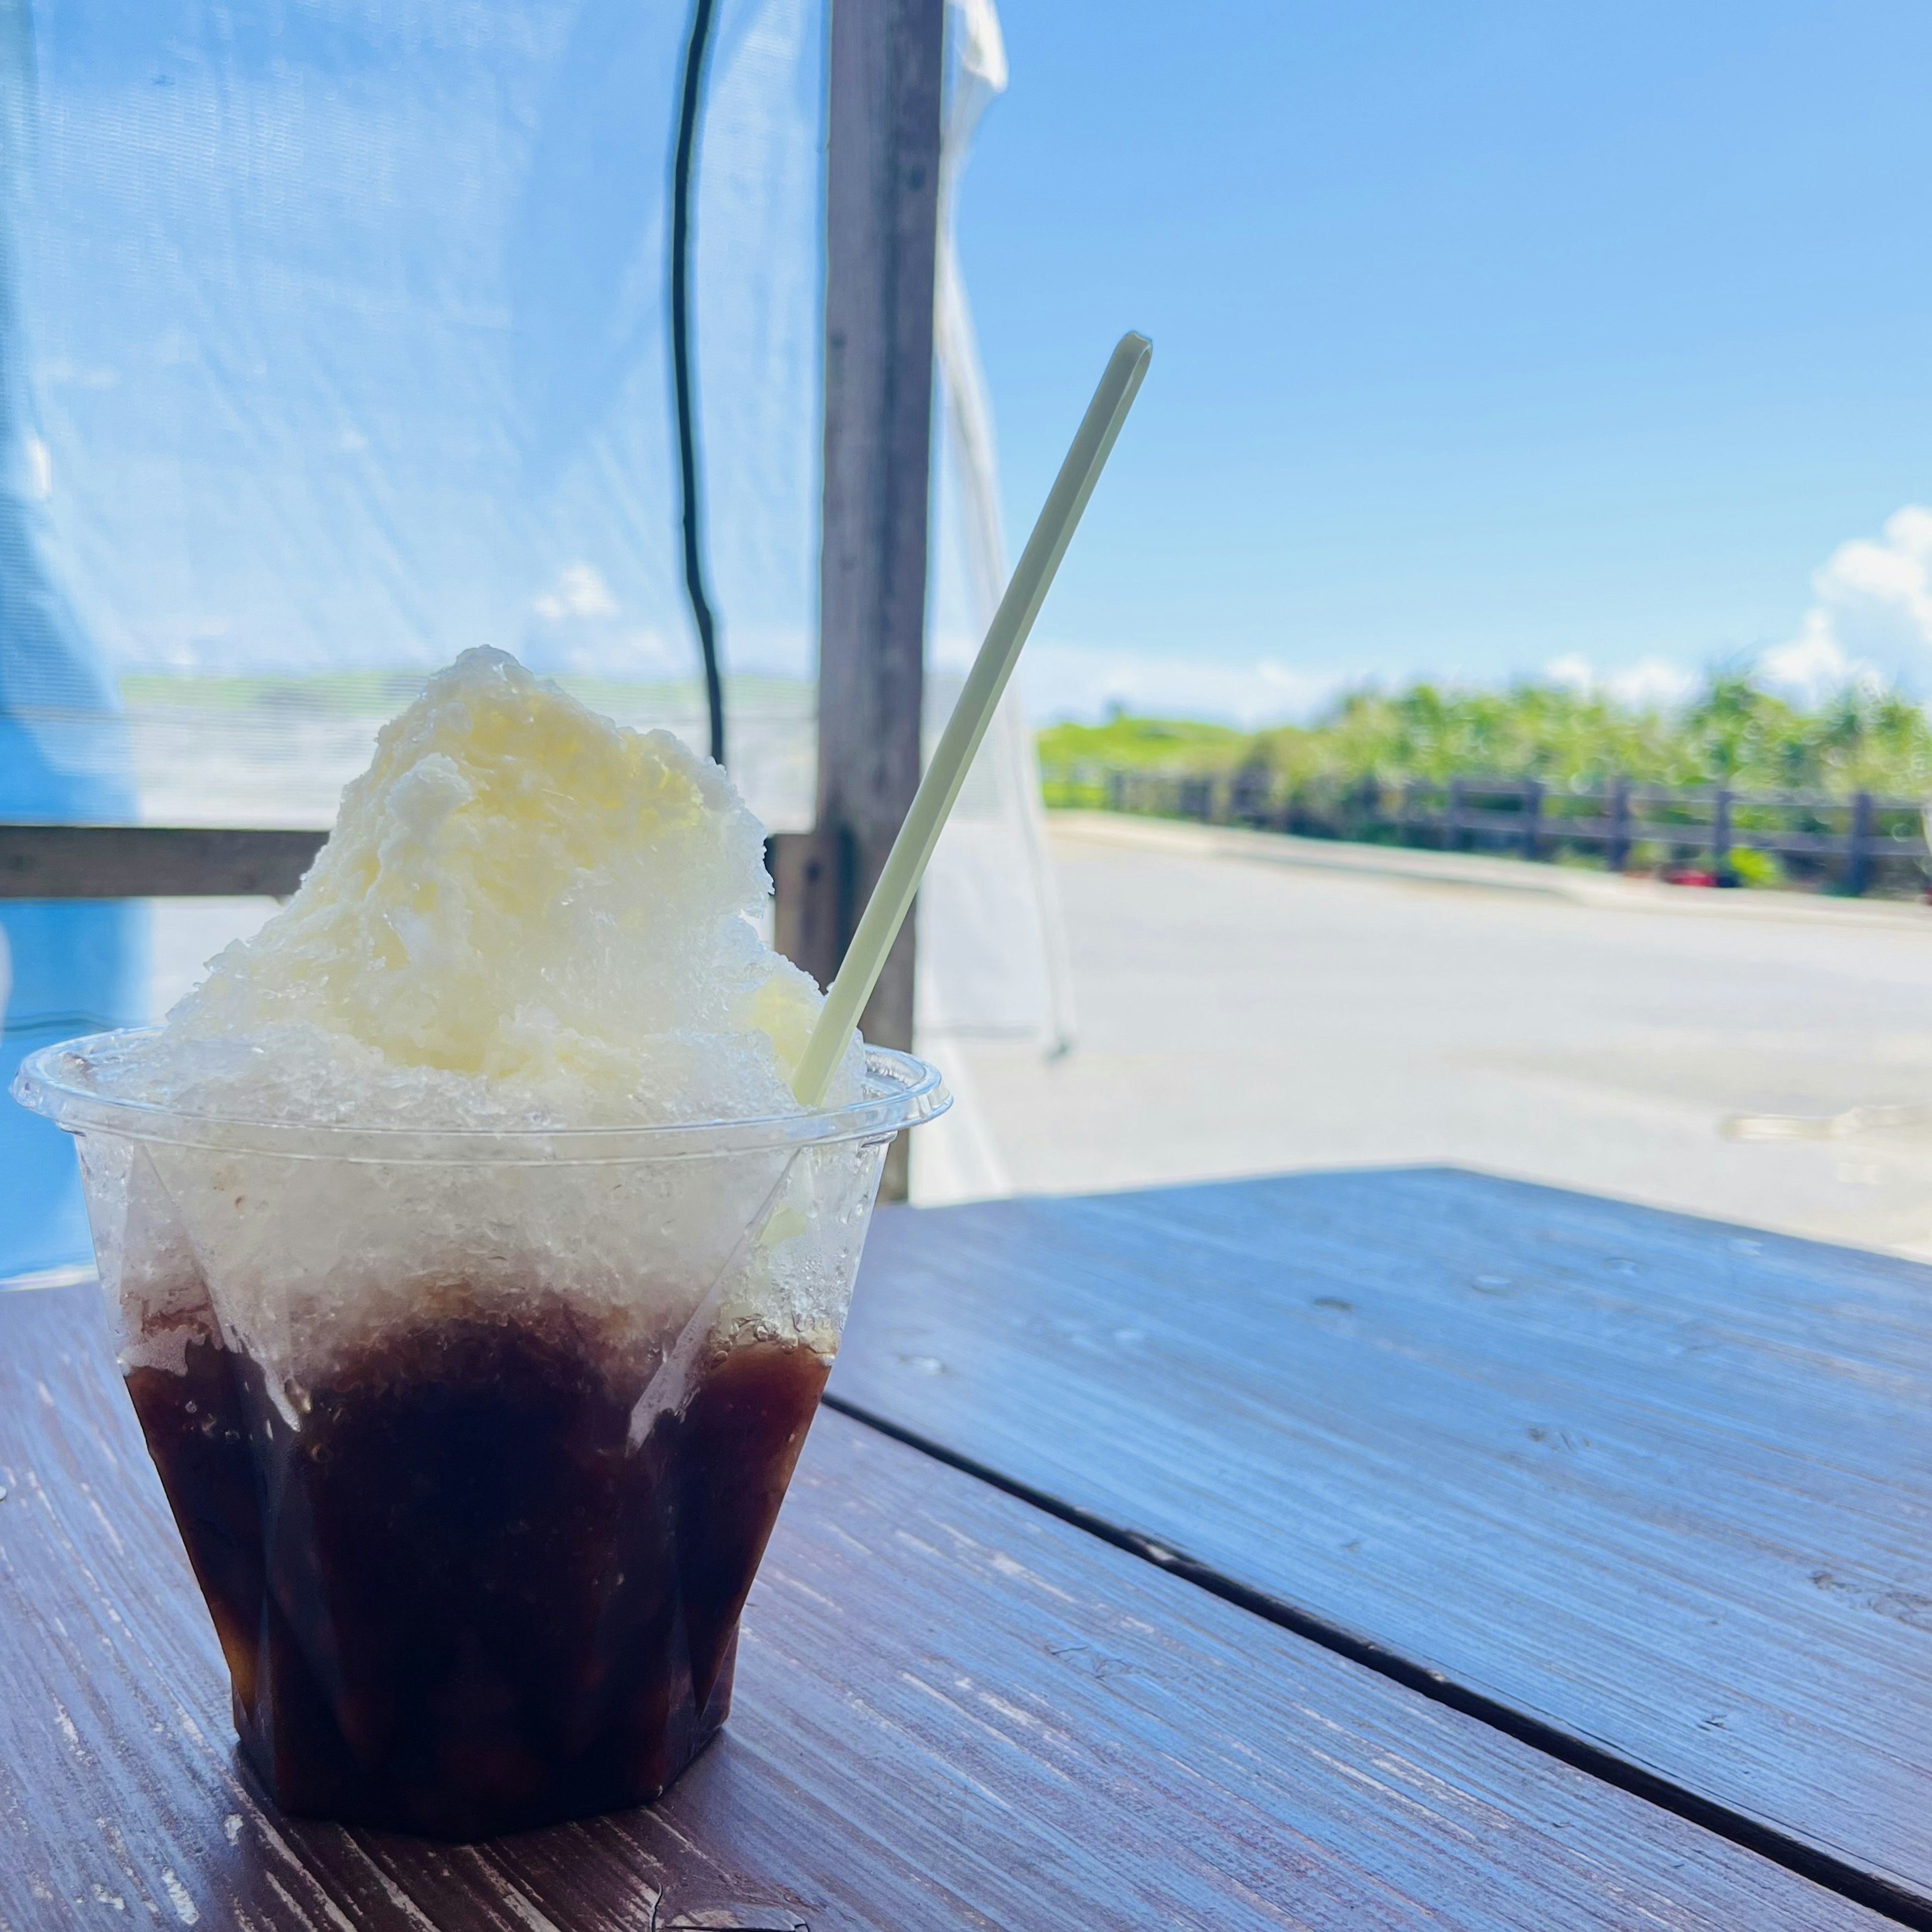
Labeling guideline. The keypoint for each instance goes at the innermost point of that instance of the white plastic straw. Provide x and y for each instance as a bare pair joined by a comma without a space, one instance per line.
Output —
1033,576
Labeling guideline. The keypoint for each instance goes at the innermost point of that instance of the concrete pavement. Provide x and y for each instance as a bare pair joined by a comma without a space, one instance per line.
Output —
1249,1003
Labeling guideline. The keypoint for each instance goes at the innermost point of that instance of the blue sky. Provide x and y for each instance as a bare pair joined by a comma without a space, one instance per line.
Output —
1487,338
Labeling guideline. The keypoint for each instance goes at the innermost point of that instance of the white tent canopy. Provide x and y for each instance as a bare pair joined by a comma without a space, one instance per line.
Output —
335,342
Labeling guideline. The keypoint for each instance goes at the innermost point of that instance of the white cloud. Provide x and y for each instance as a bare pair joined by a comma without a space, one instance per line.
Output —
1870,623
1813,665
1870,617
1651,683
578,591
1081,681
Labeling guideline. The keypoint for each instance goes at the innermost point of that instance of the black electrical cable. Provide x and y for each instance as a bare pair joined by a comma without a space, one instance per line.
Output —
694,51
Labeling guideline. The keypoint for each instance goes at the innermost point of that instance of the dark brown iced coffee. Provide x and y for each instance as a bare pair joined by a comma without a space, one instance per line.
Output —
457,1599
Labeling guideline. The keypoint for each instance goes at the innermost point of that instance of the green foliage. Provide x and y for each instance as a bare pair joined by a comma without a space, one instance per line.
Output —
1730,733
381,694
1544,731
375,694
1073,758
1144,744
1753,868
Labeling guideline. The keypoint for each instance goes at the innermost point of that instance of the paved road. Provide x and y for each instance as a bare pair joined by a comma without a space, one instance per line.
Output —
1238,1016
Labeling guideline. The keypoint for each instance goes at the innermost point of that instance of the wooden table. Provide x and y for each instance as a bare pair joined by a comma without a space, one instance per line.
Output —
1364,1551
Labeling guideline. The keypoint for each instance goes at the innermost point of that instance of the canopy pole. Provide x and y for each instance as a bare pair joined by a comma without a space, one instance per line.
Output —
882,205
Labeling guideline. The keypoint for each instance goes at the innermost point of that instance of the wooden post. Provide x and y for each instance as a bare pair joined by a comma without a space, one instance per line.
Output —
1721,839
1858,861
1532,818
1617,851
813,915
882,188
1247,796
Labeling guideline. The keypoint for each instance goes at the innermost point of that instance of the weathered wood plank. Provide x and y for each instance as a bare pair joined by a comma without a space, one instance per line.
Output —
953,1711
134,861
1660,1485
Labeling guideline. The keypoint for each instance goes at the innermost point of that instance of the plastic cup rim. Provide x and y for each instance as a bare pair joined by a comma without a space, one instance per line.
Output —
901,1091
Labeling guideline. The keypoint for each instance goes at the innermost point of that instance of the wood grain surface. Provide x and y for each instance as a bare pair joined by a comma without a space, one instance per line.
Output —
953,1710
1663,1485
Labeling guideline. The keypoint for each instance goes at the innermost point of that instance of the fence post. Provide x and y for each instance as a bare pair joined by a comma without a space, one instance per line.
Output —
1368,805
1616,853
1532,817
1858,862
1720,838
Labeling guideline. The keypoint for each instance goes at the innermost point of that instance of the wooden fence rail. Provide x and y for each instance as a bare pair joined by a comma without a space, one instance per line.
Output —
112,861
1843,841
131,861
144,861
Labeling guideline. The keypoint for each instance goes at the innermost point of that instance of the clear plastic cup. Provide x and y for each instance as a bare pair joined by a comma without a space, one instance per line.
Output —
475,1438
